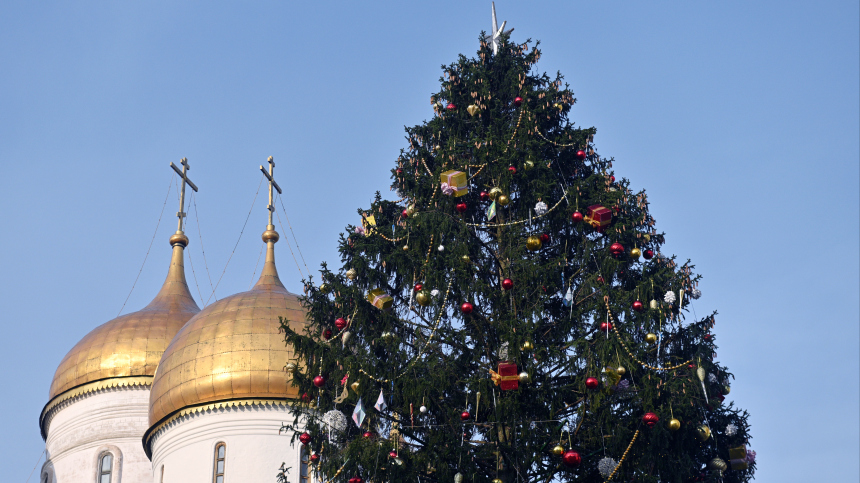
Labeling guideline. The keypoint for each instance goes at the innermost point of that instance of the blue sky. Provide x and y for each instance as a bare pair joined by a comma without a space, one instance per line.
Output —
739,118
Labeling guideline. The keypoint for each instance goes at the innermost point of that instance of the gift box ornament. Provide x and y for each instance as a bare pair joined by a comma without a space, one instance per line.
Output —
455,183
738,457
369,223
598,216
380,299
507,378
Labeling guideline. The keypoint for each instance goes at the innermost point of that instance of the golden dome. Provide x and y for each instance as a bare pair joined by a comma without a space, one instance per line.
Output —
231,350
128,346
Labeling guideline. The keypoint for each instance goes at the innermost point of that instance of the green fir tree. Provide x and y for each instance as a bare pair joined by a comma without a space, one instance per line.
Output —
535,332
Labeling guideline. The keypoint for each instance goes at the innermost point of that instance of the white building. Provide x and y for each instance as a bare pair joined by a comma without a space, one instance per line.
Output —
173,394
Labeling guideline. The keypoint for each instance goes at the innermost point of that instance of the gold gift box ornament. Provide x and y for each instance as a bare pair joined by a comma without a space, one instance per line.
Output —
456,180
738,458
369,223
380,299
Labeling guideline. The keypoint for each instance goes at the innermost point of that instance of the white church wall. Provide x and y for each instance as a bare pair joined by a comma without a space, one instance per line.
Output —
85,428
185,449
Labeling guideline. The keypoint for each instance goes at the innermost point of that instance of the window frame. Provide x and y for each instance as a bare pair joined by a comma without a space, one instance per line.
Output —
101,471
223,461
304,465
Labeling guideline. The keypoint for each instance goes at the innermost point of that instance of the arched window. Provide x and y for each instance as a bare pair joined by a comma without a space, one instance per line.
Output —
220,454
105,468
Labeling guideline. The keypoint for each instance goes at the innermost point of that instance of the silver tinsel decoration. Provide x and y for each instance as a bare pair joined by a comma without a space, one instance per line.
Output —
606,466
695,293
503,351
712,378
540,208
434,292
335,420
669,298
731,430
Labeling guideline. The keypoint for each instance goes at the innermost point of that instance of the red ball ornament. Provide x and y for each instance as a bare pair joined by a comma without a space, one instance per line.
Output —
580,155
507,284
512,169
306,397
576,217
405,214
638,306
451,106
544,239
315,457
340,323
392,454
600,280
650,419
648,254
592,382
305,438
605,326
484,196
467,308
399,171
327,334
368,434
461,207
465,415
418,287
571,458
518,101
319,381
617,249
612,179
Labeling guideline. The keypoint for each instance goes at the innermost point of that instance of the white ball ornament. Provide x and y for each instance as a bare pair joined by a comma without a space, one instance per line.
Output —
423,409
441,248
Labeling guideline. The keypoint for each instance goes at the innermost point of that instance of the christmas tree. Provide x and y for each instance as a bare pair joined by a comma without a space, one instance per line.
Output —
510,317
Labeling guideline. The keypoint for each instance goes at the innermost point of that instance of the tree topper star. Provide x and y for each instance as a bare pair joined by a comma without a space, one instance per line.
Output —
497,32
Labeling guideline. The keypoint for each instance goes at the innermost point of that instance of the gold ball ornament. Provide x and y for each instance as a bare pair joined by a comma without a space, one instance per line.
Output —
558,450
387,336
527,346
524,377
726,389
423,298
290,368
355,386
558,105
646,237
533,243
465,259
703,432
651,338
503,200
494,193
621,370
351,274
405,247
410,210
718,464
496,480
674,424
635,253
528,165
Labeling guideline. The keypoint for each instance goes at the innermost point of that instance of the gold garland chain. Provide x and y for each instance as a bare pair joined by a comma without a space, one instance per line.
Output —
626,452
518,222
630,354
560,145
421,352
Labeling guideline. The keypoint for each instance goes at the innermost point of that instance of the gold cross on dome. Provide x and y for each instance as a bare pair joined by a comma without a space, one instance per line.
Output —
272,184
184,175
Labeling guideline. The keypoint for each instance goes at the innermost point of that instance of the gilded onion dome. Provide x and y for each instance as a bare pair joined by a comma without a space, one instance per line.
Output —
232,350
125,351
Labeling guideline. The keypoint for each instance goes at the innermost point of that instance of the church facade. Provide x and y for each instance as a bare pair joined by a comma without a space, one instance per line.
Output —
176,394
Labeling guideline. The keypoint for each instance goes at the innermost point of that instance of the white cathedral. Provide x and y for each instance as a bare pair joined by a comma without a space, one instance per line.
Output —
175,394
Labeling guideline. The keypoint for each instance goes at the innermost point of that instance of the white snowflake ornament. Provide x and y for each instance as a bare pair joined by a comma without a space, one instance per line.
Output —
540,208
669,298
731,430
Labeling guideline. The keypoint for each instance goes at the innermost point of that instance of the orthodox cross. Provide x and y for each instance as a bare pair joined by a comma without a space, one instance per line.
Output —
184,175
272,184
497,32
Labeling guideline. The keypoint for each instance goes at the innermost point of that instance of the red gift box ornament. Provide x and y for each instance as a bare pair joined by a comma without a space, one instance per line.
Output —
508,376
598,216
